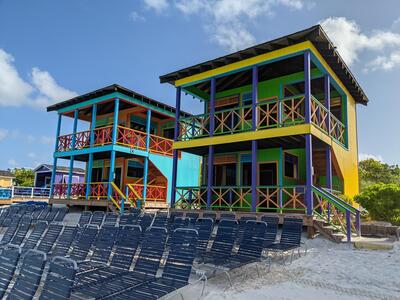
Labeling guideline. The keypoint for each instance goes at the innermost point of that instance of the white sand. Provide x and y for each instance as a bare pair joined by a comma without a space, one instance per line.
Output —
329,271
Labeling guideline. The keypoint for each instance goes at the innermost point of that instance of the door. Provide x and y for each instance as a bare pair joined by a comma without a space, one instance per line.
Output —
117,179
97,174
268,174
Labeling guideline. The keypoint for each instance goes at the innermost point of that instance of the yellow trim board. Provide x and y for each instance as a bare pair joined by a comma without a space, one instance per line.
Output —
245,63
245,136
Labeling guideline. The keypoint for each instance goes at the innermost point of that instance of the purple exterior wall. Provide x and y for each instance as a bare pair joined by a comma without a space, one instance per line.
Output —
40,178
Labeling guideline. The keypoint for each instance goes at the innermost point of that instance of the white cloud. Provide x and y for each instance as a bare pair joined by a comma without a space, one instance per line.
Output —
3,133
228,20
31,154
351,42
12,162
46,140
14,91
157,5
365,156
136,17
42,91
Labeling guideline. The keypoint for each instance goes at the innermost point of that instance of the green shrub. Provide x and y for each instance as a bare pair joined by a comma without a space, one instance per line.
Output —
382,202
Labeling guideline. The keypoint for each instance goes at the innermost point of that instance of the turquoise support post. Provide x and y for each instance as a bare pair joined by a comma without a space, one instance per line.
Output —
71,161
146,159
53,174
90,162
114,141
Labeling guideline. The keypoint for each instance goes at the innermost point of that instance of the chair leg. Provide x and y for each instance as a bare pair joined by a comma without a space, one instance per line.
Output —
258,272
291,256
229,278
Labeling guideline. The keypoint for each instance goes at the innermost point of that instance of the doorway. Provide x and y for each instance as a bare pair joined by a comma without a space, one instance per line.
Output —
118,177
267,174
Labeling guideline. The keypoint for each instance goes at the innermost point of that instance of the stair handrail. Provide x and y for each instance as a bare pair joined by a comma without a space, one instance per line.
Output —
336,201
123,198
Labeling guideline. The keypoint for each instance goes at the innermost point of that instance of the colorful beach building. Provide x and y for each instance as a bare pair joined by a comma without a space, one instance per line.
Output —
127,150
278,133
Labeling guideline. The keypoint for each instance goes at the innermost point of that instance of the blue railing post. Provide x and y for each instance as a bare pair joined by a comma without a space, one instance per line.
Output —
211,147
71,161
254,142
146,159
307,87
308,139
358,223
174,151
114,141
348,225
54,171
90,162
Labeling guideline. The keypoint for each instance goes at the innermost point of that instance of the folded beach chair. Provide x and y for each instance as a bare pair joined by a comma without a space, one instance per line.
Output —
11,229
176,271
59,279
29,276
210,214
9,257
290,239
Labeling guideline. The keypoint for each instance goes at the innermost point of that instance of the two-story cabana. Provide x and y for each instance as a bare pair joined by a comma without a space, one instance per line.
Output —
278,133
127,150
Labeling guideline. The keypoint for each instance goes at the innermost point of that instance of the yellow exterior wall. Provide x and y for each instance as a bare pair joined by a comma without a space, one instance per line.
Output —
6,182
347,158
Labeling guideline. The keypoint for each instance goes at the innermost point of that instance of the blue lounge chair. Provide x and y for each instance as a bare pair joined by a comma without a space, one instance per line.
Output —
176,271
36,234
223,243
49,238
9,257
146,267
290,239
29,276
59,279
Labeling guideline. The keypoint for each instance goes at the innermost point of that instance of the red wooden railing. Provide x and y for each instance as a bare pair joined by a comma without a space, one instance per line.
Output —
125,136
153,192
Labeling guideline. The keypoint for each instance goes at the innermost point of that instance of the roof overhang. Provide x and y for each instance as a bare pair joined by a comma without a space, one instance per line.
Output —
115,88
315,35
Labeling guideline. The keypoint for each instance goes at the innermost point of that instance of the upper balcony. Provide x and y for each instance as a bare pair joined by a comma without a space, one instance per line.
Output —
272,113
126,137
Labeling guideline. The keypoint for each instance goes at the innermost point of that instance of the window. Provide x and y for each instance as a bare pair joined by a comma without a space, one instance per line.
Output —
267,173
246,174
168,133
291,166
135,169
97,174
225,175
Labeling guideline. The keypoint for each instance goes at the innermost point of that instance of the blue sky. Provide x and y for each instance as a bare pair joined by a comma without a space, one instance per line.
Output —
52,50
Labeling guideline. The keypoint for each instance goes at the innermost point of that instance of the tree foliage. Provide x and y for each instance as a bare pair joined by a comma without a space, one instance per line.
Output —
23,177
382,202
372,172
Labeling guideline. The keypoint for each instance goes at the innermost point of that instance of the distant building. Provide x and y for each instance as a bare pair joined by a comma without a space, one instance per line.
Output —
43,175
6,178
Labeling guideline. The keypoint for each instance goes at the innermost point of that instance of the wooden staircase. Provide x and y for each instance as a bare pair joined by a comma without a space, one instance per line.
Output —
328,231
